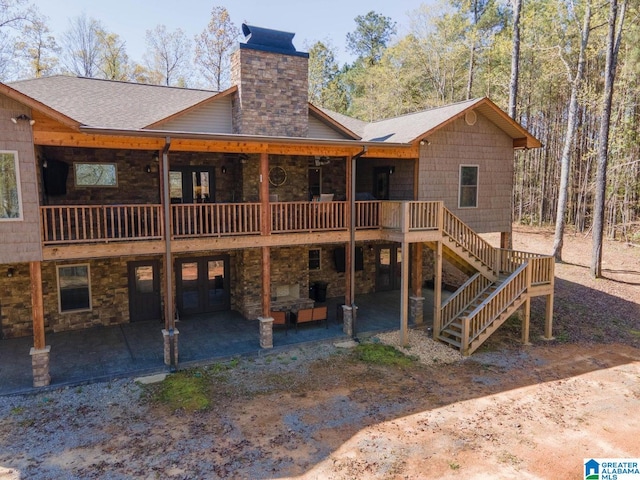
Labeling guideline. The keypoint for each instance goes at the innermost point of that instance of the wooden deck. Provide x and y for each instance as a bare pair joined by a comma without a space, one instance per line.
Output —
501,280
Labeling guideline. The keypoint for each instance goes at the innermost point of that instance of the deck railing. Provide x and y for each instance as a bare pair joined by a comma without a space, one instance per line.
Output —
484,314
98,223
453,306
462,234
215,219
291,217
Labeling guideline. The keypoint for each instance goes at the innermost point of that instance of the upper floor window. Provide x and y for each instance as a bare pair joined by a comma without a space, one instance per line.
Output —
10,196
95,174
468,193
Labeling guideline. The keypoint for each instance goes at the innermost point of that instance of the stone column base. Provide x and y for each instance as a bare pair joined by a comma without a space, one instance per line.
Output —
40,366
348,319
416,310
266,332
166,334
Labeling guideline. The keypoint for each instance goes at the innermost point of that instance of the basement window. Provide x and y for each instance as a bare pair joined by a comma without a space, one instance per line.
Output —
468,192
314,259
10,197
74,289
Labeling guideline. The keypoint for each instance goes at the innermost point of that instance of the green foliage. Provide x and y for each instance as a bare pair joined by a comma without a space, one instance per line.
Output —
186,390
371,36
380,354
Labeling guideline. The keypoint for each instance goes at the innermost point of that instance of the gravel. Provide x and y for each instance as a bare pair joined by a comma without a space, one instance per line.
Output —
422,346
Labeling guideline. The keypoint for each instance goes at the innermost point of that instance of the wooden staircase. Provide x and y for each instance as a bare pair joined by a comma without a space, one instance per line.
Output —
500,283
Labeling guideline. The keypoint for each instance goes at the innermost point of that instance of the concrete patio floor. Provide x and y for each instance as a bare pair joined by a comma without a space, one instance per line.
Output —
134,349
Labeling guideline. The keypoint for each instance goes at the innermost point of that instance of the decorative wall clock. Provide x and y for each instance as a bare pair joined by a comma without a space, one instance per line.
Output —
277,176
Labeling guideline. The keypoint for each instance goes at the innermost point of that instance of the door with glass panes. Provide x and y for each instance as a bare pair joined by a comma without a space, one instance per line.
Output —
202,284
388,267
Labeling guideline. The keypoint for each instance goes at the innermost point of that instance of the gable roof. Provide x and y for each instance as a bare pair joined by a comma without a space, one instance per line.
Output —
413,127
122,106
110,104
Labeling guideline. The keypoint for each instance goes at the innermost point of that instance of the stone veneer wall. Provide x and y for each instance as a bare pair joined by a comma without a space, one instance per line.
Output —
272,96
131,169
15,302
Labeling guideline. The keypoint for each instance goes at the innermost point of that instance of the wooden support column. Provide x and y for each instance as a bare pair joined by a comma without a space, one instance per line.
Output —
266,281
404,295
416,269
265,212
548,316
37,305
40,352
350,219
437,290
506,240
526,317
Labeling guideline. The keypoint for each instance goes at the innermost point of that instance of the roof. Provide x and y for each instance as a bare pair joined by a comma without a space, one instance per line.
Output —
106,104
110,104
414,127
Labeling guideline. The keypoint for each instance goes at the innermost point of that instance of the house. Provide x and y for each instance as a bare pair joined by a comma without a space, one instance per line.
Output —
124,202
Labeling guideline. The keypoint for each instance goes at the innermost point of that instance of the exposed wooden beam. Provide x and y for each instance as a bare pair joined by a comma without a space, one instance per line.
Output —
37,305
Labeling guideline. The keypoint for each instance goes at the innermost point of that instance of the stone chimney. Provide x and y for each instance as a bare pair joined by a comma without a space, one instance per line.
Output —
272,80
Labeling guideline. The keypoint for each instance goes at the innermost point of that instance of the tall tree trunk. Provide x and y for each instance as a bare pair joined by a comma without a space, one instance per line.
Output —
613,45
515,59
572,123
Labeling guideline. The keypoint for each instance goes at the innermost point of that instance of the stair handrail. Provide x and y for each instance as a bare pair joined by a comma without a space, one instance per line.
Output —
477,246
453,306
475,328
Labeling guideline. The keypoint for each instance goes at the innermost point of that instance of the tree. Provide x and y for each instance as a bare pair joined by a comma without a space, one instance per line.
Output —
616,23
14,14
168,55
572,124
371,37
214,46
81,46
38,47
325,83
113,61
515,59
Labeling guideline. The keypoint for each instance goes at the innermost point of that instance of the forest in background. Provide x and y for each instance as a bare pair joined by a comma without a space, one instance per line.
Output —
455,50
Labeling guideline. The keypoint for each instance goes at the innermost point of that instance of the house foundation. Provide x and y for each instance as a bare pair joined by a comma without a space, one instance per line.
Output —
266,332
170,338
416,310
40,366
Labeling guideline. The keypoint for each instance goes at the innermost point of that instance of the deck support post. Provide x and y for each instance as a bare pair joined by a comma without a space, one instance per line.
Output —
170,339
40,352
548,319
416,310
404,298
437,290
348,319
266,332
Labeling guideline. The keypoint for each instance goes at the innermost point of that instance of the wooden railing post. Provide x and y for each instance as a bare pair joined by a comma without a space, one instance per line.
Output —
464,341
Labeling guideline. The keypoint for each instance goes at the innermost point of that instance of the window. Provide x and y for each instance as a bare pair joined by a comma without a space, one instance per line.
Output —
10,197
468,196
74,288
314,259
96,174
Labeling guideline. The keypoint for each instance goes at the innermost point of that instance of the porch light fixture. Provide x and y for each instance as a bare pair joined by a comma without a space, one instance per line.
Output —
424,142
11,272
24,117
223,169
147,169
392,170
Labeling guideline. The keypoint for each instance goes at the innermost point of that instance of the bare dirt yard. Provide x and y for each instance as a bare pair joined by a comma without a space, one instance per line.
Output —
508,411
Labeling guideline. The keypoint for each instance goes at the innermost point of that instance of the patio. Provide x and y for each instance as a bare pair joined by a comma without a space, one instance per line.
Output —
133,349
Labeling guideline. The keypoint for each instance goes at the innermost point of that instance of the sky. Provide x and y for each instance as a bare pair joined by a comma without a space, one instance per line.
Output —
310,20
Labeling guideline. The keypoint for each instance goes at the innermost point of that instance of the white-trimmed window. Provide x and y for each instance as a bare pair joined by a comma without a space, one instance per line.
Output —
74,288
314,259
10,192
468,191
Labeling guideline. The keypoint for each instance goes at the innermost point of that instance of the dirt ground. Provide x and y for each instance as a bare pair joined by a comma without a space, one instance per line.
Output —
508,411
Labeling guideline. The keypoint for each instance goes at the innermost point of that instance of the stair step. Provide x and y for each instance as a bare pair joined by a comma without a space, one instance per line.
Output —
450,341
451,333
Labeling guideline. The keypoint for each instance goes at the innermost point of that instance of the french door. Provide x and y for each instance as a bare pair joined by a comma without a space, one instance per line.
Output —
202,284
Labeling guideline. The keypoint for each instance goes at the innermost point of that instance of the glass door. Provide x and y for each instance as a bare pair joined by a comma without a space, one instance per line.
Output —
202,284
